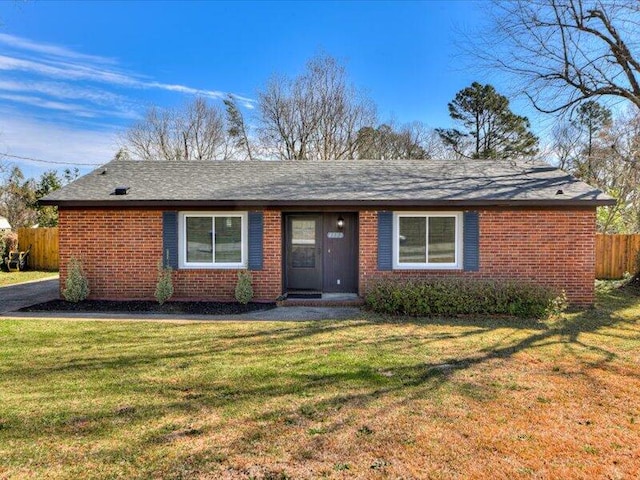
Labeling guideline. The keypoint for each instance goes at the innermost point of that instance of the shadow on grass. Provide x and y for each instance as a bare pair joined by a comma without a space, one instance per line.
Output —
333,385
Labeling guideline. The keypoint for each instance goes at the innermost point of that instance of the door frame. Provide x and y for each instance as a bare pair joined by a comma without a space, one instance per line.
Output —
346,257
321,214
319,247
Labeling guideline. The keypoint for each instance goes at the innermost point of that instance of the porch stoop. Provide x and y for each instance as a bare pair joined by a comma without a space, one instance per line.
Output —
326,300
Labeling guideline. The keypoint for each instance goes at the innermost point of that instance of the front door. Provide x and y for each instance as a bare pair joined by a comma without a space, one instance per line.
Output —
304,252
340,253
321,252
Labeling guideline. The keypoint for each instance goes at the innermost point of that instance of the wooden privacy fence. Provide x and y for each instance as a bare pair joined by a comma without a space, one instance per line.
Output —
44,247
615,255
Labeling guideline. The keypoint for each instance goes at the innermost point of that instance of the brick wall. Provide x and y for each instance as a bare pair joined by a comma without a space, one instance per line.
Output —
549,247
120,250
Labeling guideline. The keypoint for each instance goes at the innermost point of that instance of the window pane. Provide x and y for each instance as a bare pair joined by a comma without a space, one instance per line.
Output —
199,247
413,239
442,240
228,239
303,256
303,243
303,232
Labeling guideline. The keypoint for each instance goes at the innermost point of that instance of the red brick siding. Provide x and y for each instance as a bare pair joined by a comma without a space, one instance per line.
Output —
549,247
120,250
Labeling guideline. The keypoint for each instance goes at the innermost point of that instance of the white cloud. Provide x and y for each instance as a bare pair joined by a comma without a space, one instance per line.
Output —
38,139
67,65
55,102
67,71
49,104
214,94
75,72
20,43
118,105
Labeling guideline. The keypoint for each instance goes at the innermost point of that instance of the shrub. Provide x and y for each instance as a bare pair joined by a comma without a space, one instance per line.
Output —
8,242
558,305
76,284
164,287
425,297
2,250
244,289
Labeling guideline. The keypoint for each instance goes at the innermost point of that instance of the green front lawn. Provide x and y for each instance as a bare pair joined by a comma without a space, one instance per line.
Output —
365,398
11,278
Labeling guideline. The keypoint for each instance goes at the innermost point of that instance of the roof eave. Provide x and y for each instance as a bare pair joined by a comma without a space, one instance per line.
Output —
332,203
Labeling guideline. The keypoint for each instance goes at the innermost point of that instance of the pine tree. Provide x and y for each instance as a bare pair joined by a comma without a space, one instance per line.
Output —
490,129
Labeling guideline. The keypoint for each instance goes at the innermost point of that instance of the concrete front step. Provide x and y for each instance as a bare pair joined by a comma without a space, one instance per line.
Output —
327,300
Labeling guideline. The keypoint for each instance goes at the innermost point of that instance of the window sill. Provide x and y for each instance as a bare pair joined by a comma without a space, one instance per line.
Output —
212,267
400,268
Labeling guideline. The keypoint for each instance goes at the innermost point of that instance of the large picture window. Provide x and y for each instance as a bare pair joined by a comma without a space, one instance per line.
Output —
213,240
427,240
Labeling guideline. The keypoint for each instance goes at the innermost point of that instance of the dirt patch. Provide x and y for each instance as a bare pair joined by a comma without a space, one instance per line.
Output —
147,306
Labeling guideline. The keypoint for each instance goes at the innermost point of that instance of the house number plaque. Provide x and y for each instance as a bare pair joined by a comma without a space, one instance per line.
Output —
335,234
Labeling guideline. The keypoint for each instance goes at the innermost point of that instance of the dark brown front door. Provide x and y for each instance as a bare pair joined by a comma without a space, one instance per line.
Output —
304,252
340,253
320,255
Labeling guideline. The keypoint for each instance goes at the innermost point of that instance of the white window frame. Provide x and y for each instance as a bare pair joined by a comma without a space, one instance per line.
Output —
182,240
426,265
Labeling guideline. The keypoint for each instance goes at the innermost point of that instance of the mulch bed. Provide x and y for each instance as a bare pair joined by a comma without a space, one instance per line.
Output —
148,306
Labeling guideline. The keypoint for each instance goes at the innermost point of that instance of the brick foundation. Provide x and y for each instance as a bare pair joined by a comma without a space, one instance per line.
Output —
121,248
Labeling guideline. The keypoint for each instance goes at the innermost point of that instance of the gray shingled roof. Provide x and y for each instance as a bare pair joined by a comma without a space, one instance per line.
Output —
354,182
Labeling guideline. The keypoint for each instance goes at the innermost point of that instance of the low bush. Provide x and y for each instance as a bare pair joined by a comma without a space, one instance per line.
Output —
427,297
76,284
8,243
244,288
164,286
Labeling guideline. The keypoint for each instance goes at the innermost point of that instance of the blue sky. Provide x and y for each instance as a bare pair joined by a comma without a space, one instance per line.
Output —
73,75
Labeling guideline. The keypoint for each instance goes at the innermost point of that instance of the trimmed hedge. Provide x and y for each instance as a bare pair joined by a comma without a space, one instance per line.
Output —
428,297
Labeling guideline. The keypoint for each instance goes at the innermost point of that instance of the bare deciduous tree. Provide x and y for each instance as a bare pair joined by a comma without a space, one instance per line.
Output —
316,115
410,141
195,132
607,157
566,51
565,144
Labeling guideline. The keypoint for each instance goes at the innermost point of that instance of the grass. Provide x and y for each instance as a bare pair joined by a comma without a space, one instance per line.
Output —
12,278
365,398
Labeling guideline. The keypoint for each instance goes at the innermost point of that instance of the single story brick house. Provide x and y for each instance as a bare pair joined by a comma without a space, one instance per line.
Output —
326,226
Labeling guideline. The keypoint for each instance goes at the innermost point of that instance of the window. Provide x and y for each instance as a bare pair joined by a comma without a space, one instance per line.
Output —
303,243
213,240
427,240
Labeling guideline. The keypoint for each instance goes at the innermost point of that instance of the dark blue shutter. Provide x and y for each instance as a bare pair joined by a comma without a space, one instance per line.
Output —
255,240
385,240
170,239
471,239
